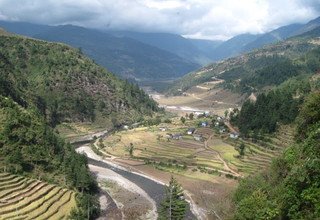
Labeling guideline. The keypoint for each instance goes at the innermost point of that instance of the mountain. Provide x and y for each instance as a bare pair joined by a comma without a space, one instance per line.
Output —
308,26
126,57
279,34
66,86
24,28
262,68
206,46
42,84
233,46
172,43
247,42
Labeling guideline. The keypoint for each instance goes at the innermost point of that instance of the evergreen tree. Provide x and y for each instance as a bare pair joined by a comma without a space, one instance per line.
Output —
174,205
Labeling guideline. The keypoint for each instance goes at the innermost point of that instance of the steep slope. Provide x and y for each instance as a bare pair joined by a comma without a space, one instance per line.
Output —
126,57
261,68
290,188
308,26
172,43
65,85
279,34
43,84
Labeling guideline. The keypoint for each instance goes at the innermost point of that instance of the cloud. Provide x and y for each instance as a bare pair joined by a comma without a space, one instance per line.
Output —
211,19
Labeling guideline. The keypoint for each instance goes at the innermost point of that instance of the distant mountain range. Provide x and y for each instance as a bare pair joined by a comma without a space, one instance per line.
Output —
294,59
123,56
150,56
248,42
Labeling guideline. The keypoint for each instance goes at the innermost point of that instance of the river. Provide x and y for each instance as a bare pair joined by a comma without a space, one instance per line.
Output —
154,189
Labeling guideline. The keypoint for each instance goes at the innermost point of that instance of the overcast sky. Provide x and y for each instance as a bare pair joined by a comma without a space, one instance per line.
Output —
206,19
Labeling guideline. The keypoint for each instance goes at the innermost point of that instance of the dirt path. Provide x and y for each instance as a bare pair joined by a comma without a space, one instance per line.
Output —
225,164
231,128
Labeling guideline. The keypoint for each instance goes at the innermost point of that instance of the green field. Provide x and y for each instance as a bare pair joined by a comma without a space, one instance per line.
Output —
23,198
216,153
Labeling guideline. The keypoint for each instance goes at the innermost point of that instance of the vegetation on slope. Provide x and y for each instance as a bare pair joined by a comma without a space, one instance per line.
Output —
290,188
277,106
65,85
43,84
259,69
125,56
28,146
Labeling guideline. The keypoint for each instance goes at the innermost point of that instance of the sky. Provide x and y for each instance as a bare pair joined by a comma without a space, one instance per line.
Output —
202,19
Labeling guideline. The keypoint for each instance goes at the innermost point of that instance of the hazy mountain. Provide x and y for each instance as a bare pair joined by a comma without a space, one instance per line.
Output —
233,46
248,42
24,28
173,43
279,34
123,56
206,46
308,26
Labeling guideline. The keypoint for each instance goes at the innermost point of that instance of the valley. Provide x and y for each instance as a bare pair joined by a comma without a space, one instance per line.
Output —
159,137
213,163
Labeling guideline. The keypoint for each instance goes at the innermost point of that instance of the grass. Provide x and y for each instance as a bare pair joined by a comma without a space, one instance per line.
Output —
32,199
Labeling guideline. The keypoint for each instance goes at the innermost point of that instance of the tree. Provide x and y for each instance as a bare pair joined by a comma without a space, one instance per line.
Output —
131,148
226,113
191,115
183,120
174,205
242,149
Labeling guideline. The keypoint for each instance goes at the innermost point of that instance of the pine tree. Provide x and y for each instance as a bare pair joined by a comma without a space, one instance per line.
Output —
174,206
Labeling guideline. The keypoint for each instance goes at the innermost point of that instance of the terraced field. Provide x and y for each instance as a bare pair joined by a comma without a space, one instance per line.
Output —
153,145
23,198
259,154
215,153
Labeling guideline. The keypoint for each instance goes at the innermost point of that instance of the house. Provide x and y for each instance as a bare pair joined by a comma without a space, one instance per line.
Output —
177,136
126,127
198,137
216,124
191,131
204,124
222,130
234,135
198,113
163,128
168,136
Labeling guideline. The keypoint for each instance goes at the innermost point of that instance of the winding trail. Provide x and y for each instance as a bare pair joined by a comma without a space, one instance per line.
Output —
225,164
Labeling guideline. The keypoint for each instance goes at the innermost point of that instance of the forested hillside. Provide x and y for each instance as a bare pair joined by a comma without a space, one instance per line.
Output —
65,85
290,189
